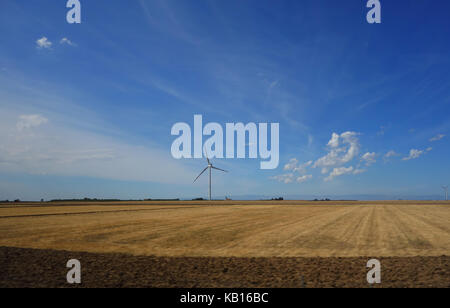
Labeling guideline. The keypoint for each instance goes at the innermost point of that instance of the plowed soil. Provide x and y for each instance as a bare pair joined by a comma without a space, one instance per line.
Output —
47,268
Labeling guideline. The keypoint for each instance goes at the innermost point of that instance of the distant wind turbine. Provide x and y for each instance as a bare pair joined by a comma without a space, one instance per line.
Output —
445,188
210,167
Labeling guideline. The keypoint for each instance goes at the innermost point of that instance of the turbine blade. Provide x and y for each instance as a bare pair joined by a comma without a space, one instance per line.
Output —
200,174
206,154
219,169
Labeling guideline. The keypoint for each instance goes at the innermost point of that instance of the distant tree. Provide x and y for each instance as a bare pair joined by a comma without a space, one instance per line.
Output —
17,200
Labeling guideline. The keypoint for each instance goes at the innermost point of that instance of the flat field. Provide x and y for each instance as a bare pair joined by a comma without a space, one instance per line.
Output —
290,232
239,229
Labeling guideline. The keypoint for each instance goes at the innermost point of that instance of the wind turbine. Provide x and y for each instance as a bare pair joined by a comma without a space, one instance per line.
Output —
446,192
210,167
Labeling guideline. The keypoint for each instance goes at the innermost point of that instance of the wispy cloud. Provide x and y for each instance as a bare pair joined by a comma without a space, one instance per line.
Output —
166,18
382,131
369,158
63,151
64,146
294,166
291,177
359,171
285,178
43,43
390,154
413,154
29,121
338,172
66,41
297,172
304,178
437,137
273,84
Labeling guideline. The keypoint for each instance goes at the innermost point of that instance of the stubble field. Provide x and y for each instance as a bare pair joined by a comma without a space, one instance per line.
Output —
229,243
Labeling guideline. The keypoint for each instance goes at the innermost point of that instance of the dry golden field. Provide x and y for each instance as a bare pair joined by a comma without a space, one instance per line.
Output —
232,228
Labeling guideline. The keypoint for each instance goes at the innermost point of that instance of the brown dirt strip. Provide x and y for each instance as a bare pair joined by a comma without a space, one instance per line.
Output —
47,268
94,212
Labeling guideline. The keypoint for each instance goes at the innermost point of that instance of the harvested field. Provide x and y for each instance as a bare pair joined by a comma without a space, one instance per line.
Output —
226,244
239,229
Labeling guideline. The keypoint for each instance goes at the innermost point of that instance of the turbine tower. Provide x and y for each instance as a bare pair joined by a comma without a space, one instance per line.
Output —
445,188
210,167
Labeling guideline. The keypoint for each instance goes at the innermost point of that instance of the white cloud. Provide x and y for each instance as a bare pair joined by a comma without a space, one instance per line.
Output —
342,149
65,40
43,43
390,154
302,168
413,154
290,177
30,120
359,171
437,137
304,178
338,172
292,164
429,149
285,178
334,141
369,158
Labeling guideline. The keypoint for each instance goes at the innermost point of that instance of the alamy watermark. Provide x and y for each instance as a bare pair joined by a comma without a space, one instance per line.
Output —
374,14
74,274
236,141
374,275
74,14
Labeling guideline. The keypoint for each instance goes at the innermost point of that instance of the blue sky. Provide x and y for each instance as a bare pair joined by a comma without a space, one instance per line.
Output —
86,109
